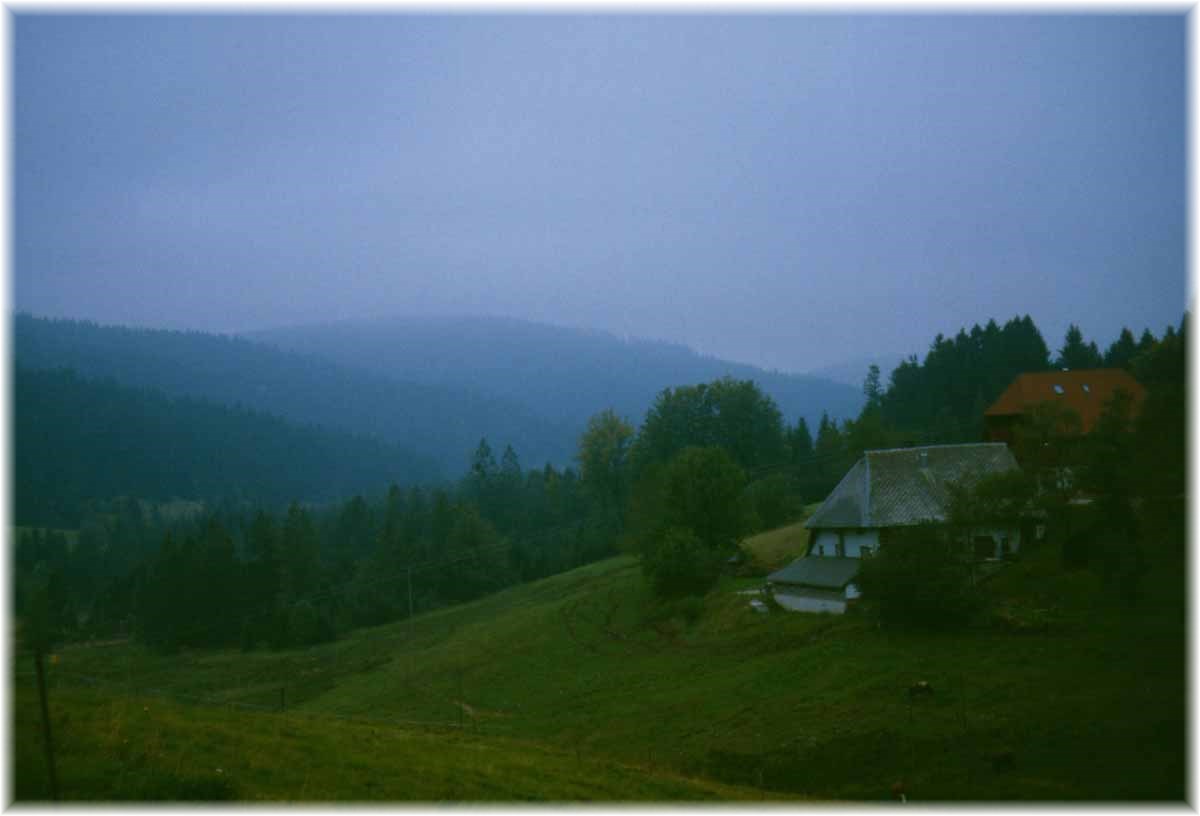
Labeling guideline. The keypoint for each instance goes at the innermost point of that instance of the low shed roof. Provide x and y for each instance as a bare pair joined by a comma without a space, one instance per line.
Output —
823,573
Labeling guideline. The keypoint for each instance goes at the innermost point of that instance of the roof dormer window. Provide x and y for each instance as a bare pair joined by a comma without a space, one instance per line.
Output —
1087,389
1058,389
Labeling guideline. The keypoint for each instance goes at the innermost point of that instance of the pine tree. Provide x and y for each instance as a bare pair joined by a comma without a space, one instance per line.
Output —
483,464
800,442
1076,354
1121,353
871,387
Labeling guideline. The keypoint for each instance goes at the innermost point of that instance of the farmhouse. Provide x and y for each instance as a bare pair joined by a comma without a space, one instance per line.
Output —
1084,392
884,491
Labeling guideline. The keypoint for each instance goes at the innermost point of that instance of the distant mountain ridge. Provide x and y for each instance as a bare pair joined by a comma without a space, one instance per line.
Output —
853,372
435,423
433,386
564,373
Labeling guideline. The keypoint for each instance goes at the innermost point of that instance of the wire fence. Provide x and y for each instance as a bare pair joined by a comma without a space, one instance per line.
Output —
217,702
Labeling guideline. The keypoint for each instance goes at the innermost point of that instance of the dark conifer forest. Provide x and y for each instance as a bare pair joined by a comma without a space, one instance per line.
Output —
77,441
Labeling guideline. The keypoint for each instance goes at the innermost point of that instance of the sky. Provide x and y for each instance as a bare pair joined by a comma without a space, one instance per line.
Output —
789,190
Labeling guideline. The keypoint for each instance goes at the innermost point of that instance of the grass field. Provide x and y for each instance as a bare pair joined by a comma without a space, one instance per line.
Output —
71,535
116,747
1066,694
779,547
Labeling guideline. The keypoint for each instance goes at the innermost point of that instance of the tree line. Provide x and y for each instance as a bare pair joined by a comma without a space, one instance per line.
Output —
256,577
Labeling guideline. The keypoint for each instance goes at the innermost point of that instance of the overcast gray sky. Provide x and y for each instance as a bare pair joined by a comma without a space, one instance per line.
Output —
789,191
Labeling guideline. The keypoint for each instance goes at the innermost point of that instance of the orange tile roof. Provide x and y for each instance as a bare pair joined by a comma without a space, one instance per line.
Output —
1084,391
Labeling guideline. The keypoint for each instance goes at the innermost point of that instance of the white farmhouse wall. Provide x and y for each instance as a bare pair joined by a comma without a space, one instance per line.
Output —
998,534
811,600
854,542
825,544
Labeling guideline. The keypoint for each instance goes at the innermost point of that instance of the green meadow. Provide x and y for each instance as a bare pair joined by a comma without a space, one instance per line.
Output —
777,548
582,687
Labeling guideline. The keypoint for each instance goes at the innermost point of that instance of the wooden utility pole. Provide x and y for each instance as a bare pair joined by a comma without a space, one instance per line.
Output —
46,741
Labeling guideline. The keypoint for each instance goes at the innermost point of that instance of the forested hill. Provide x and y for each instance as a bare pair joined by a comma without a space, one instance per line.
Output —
77,440
437,422
562,373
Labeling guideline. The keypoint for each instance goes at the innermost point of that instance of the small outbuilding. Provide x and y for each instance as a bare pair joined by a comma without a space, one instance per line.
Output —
815,584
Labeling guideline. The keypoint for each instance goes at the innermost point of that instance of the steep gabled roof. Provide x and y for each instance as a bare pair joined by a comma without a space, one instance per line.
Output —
905,486
1084,391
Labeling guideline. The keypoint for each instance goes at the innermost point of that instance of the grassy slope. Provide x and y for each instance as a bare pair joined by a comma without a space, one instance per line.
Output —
71,535
583,665
779,547
114,747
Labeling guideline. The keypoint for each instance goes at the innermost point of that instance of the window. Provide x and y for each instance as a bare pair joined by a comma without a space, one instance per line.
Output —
865,551
985,547
821,549
841,546
1058,389
1087,389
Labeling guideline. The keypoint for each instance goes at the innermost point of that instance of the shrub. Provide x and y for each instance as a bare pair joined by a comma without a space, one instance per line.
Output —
688,609
920,577
687,519
681,564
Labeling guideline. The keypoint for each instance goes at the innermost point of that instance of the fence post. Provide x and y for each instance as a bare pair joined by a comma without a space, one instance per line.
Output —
410,600
46,741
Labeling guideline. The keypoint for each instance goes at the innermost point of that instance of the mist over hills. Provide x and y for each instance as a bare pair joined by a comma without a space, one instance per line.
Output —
433,422
854,371
432,386
561,373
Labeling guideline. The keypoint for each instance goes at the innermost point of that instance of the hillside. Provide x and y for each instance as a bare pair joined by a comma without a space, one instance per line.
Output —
779,547
121,748
75,440
439,423
1044,701
555,372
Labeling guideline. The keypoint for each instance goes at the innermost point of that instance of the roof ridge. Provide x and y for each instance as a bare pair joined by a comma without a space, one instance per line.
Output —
931,447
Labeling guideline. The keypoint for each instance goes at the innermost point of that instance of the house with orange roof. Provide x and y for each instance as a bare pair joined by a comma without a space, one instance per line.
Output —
1084,392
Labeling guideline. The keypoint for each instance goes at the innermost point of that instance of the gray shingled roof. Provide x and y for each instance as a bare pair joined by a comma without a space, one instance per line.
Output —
823,573
902,486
